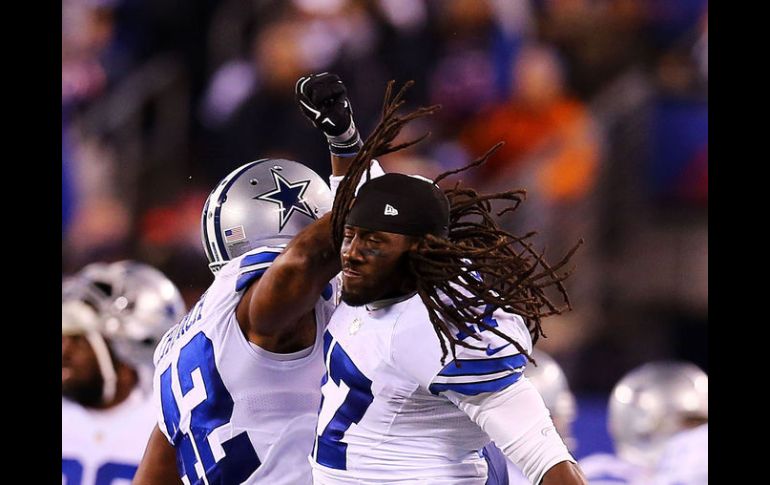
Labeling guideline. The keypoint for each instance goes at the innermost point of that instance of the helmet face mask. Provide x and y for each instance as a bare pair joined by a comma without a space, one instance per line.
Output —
262,203
653,402
122,310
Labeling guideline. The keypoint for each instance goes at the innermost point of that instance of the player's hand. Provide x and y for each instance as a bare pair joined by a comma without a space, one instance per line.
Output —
323,99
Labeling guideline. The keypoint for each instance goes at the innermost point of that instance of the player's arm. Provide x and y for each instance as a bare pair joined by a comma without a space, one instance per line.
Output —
158,465
293,283
516,419
290,287
493,391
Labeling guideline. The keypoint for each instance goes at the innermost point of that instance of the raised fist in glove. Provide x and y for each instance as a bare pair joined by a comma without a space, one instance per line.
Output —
323,99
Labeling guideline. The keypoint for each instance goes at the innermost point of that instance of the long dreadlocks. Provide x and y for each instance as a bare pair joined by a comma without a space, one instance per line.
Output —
479,265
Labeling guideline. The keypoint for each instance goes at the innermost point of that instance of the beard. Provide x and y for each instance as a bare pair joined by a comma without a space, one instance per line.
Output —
387,282
354,299
373,291
88,394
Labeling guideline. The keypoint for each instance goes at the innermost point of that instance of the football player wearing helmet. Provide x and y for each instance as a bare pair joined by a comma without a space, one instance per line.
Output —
647,407
237,381
113,315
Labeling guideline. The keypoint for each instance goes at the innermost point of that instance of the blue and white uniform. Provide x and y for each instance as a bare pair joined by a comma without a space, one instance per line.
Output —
105,446
393,413
234,412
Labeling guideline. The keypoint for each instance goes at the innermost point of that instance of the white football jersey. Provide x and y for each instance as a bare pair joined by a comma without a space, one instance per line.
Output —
384,416
234,412
105,446
685,458
607,469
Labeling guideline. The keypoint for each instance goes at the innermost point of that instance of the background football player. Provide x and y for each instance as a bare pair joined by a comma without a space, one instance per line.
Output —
647,407
112,317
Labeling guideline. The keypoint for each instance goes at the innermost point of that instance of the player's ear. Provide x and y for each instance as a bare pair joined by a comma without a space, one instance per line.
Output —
414,243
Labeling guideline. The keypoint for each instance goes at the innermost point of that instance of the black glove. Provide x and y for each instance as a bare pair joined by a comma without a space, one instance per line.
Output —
323,99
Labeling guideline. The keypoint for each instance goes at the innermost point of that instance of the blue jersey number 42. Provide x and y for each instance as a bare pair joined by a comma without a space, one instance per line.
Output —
210,405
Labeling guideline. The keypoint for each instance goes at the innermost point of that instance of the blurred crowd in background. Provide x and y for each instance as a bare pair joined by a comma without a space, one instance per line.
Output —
602,104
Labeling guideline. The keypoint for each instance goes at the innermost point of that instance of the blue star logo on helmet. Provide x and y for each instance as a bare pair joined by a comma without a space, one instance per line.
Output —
289,197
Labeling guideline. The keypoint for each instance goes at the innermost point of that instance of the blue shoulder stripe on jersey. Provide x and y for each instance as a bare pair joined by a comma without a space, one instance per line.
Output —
265,256
254,266
475,367
327,293
474,388
247,278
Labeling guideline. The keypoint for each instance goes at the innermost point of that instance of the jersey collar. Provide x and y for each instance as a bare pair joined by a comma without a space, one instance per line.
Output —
380,304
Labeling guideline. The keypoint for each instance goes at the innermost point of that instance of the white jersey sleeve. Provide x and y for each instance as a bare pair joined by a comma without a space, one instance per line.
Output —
517,420
487,384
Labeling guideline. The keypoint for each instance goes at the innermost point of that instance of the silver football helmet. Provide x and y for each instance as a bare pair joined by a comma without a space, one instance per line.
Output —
135,304
550,381
651,403
265,202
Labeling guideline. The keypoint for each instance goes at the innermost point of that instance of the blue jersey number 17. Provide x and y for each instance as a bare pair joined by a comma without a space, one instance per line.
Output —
351,392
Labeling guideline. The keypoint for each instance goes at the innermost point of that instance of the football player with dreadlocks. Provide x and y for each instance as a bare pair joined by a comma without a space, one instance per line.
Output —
426,273
236,382
325,94
113,315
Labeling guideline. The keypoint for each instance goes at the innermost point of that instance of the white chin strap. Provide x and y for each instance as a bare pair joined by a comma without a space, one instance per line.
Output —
106,367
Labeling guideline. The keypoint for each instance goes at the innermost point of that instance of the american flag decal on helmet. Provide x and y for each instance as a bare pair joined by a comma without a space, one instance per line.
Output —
234,234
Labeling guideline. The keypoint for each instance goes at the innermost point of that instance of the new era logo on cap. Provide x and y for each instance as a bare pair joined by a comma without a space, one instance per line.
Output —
390,210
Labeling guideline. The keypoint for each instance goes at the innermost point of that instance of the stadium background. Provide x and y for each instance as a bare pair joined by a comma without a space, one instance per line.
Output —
603,104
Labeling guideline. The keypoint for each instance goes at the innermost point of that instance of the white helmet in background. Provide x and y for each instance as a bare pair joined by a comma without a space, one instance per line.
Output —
653,402
127,303
262,203
550,381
